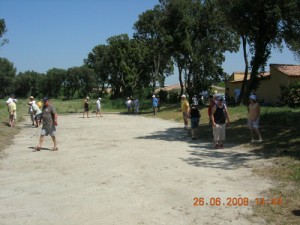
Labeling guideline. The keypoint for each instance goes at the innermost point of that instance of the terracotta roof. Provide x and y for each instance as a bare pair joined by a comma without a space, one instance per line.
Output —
289,70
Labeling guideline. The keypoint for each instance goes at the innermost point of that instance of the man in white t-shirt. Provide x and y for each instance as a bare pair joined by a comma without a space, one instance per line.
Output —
98,107
37,113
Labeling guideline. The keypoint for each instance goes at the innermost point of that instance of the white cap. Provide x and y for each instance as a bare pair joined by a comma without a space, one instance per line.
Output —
253,97
153,96
183,96
99,98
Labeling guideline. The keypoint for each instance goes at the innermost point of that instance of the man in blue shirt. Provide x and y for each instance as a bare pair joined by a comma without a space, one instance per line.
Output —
154,105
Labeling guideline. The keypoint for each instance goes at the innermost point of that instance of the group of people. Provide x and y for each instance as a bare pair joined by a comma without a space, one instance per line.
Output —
132,105
219,118
47,114
86,107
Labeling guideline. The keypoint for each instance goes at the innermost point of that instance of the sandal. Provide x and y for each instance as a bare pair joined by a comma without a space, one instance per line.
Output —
37,149
54,149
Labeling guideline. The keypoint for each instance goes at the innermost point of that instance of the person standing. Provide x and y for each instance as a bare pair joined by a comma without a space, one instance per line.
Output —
49,118
98,107
253,118
154,105
30,110
128,104
136,105
86,107
12,109
185,108
219,115
37,113
195,101
195,119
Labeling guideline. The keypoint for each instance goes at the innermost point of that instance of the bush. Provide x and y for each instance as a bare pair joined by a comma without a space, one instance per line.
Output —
290,94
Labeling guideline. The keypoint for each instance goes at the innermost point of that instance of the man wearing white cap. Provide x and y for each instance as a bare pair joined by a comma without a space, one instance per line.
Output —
185,108
253,118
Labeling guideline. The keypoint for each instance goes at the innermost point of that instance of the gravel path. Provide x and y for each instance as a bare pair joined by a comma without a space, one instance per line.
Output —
122,169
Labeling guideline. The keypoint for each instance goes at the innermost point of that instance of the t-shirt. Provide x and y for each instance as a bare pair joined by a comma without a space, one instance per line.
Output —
36,109
48,116
154,102
184,106
98,103
194,112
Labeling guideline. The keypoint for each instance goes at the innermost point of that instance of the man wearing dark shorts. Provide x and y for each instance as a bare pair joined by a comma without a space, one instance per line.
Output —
49,118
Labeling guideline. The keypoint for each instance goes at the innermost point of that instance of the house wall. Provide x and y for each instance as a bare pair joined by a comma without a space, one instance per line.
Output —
269,90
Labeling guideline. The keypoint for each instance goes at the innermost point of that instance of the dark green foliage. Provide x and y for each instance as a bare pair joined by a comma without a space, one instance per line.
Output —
290,94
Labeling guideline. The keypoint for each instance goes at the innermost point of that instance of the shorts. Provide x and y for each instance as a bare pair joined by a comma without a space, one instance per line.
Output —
219,132
253,124
48,131
38,116
194,122
86,110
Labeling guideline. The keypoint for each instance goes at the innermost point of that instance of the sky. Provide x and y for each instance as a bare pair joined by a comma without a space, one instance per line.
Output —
46,34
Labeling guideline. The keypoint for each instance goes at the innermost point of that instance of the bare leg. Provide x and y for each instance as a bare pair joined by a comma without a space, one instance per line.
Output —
54,141
257,133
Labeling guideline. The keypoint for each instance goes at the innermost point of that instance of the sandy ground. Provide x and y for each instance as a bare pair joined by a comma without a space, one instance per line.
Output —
124,169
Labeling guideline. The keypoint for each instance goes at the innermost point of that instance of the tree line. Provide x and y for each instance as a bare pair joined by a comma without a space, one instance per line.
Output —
191,36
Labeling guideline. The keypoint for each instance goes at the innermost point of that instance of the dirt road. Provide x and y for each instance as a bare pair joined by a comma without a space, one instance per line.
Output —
122,169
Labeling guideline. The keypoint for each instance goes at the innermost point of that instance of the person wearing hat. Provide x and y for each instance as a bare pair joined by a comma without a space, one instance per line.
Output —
219,115
49,118
86,107
185,109
253,118
12,109
30,110
128,104
98,107
154,105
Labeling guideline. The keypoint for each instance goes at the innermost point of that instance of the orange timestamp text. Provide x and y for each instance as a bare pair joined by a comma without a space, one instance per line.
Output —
236,201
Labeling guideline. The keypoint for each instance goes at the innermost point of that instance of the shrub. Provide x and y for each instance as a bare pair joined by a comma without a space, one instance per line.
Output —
290,94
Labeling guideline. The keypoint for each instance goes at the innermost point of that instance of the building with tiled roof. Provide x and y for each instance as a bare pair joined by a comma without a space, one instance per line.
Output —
270,82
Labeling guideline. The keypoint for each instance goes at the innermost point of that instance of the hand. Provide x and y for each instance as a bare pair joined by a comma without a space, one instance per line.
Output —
55,123
228,124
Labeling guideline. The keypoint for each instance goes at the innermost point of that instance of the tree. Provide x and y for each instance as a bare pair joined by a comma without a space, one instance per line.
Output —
200,37
26,84
51,85
263,25
150,31
7,76
2,32
98,61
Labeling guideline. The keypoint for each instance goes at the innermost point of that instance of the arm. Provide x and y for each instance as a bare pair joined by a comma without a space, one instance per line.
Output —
213,110
227,116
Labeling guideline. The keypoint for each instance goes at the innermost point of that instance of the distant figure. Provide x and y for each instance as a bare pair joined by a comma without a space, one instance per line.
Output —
219,115
49,118
154,105
195,101
12,109
98,107
185,109
237,93
30,110
12,98
136,105
128,104
253,118
86,107
195,119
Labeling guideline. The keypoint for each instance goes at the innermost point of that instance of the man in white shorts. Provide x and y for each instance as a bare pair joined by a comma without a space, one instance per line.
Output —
253,118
